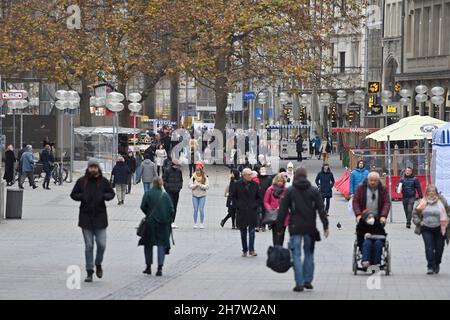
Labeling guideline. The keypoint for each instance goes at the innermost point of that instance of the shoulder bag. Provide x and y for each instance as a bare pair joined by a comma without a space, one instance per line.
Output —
140,230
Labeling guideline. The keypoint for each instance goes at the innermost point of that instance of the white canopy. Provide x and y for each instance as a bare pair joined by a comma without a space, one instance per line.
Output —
410,128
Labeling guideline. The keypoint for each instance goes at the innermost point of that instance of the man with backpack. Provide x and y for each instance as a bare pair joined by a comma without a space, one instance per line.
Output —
304,202
409,186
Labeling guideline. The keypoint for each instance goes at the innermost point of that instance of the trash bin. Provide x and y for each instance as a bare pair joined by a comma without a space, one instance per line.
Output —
14,203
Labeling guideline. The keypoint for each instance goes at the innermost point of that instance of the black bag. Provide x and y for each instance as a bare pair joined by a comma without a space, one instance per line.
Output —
279,259
270,217
328,148
140,230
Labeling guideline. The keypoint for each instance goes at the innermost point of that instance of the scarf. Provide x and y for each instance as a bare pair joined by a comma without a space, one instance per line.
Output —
200,179
442,211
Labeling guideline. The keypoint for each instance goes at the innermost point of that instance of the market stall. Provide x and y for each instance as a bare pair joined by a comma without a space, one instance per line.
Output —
440,165
288,134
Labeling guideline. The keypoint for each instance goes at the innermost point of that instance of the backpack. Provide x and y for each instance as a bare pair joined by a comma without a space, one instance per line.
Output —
279,259
328,147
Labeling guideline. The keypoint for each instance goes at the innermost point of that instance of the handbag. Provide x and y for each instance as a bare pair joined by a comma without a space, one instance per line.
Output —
141,228
270,217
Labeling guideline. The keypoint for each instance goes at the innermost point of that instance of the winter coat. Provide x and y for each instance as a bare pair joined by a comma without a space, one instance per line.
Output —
47,160
120,173
304,201
131,163
360,200
270,201
325,183
27,161
92,192
410,184
10,160
198,190
299,145
173,179
247,197
362,228
158,208
231,202
161,155
358,175
417,218
148,171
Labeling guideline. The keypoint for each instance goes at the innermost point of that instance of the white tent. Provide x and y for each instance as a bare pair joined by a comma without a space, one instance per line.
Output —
441,160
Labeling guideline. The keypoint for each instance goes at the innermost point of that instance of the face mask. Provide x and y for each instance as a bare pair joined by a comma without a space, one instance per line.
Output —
370,221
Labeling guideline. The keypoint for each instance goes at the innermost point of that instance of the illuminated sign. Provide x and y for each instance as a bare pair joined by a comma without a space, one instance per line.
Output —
373,87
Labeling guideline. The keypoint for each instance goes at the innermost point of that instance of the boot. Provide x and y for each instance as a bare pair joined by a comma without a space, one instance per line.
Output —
89,276
148,269
99,271
159,272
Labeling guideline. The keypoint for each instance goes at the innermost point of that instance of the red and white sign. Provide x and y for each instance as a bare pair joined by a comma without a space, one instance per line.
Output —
11,95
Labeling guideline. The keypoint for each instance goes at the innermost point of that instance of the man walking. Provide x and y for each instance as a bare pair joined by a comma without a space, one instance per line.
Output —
131,163
47,160
173,183
409,186
148,172
27,163
304,202
247,196
92,191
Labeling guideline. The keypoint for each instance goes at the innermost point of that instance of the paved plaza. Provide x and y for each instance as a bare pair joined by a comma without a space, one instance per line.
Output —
36,251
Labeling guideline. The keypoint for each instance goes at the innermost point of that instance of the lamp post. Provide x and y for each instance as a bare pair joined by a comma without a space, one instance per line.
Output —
114,104
324,100
421,96
405,99
134,107
74,99
262,99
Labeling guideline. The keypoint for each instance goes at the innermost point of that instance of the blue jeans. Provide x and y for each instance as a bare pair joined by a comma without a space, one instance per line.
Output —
99,236
251,241
147,186
434,245
148,251
372,250
199,204
304,272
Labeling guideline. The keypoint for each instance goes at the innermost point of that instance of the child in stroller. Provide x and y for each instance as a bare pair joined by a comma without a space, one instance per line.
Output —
371,238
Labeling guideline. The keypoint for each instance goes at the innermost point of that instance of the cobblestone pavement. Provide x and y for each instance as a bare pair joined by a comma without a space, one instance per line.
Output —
36,251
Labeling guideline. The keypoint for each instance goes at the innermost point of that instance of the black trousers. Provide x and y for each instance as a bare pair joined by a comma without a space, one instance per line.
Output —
231,214
48,175
129,178
327,204
175,196
191,169
299,156
278,240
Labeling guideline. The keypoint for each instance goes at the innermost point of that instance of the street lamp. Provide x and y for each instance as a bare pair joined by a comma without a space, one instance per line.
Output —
18,105
421,96
134,107
114,104
341,100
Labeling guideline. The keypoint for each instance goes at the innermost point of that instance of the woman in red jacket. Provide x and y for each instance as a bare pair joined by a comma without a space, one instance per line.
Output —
272,199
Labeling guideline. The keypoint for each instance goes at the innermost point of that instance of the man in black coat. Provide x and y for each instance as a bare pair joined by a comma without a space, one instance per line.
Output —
92,191
325,183
247,195
47,161
304,202
132,164
173,183
410,187
10,161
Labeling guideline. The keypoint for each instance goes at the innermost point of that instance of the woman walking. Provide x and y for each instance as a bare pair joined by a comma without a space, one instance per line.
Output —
431,216
272,199
119,177
199,185
325,183
231,205
10,162
158,209
161,155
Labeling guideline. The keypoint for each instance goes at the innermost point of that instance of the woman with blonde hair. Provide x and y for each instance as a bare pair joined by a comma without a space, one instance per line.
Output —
431,216
272,199
199,185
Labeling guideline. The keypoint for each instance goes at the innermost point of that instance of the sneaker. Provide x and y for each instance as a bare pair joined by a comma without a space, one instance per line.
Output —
99,271
202,226
308,285
436,269
244,254
430,271
89,276
174,226
195,226
299,289
253,254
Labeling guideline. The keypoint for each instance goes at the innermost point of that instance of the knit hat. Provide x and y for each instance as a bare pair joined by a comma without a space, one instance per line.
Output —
93,162
290,165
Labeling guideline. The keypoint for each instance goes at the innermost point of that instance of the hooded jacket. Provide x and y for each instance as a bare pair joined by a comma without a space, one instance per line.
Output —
173,179
358,175
120,173
148,171
304,201
410,184
325,183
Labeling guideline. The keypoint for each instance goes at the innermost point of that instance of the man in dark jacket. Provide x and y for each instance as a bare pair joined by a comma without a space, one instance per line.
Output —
371,197
304,202
299,147
247,196
47,161
119,178
92,191
131,163
173,183
325,183
410,185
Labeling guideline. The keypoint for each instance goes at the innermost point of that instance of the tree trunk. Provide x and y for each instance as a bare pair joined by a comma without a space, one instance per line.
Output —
124,115
221,92
85,108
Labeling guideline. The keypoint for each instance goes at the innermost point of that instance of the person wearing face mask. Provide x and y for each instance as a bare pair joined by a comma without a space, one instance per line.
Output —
371,237
431,216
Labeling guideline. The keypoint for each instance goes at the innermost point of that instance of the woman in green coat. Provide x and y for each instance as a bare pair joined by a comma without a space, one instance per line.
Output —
158,208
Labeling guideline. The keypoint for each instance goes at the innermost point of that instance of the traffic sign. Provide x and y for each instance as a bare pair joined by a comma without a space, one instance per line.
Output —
249,95
11,95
